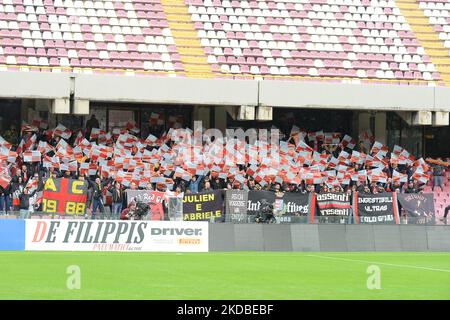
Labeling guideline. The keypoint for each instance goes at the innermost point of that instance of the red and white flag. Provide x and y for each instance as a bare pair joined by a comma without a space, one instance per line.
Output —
4,143
399,177
29,128
379,147
156,119
62,132
44,147
32,156
348,142
41,124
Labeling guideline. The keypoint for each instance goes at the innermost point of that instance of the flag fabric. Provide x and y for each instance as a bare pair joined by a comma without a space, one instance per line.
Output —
65,196
32,156
62,132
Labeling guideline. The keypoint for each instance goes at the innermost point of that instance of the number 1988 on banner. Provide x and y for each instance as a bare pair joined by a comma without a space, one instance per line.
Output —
51,206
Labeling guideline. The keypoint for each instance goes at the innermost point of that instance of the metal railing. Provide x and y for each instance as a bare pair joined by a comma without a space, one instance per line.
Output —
236,219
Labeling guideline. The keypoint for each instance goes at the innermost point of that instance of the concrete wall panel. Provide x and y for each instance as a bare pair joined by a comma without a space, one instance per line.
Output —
387,238
332,237
413,238
305,237
277,237
360,238
221,237
249,237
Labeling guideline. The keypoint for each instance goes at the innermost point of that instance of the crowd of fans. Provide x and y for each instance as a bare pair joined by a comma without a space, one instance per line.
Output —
22,192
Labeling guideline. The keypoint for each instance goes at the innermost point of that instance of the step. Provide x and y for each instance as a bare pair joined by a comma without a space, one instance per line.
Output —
419,21
441,61
435,52
178,18
175,9
197,68
193,59
191,51
185,34
188,42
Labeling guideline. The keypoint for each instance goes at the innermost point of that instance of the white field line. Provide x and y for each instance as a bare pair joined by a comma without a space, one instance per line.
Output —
380,263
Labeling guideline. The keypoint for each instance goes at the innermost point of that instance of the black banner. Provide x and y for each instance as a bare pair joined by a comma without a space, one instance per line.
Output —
236,205
375,208
419,207
332,207
292,207
287,207
256,198
203,206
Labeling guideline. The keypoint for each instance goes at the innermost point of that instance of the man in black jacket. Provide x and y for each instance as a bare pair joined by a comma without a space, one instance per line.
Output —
24,206
5,199
117,200
97,197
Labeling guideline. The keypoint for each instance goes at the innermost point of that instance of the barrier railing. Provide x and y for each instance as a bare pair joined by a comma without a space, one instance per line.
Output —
244,219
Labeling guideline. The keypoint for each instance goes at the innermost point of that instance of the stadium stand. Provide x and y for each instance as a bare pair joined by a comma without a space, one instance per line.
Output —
377,41
368,39
316,39
87,35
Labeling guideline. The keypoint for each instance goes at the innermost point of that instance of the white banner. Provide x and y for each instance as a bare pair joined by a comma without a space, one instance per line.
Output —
104,235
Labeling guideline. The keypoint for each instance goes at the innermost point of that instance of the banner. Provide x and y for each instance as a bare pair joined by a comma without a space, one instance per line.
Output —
419,207
375,208
255,199
236,205
203,206
153,198
334,205
290,206
65,196
131,236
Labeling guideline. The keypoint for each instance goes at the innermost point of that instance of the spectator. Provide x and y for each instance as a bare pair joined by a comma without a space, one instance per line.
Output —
117,200
24,203
411,188
195,183
444,218
91,123
17,188
97,198
12,135
438,173
127,214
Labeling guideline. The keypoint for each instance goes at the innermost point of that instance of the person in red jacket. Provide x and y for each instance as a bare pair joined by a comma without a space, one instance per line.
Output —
128,213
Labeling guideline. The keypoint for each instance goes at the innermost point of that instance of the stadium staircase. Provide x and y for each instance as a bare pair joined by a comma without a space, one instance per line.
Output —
191,52
427,37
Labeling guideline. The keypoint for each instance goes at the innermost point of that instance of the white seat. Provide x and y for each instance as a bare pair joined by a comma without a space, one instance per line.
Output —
10,60
32,61
43,61
313,72
168,66
225,68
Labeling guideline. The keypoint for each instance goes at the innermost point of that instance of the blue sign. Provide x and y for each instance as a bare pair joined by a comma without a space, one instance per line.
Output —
12,234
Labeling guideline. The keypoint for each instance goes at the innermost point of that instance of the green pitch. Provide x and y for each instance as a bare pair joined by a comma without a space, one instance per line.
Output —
241,275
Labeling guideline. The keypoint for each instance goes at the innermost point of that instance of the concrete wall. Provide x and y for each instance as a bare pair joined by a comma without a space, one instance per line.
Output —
316,237
141,89
34,85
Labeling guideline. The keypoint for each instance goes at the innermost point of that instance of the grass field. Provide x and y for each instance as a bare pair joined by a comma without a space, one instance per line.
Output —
241,275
